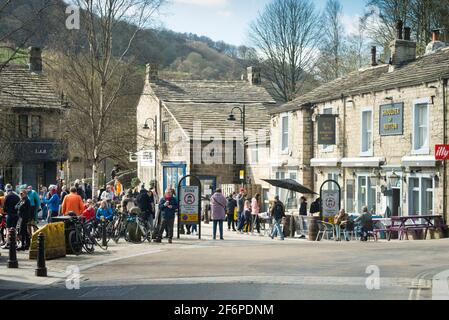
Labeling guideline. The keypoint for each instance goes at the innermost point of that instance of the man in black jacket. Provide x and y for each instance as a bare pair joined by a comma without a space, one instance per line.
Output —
9,207
231,206
277,213
24,212
145,202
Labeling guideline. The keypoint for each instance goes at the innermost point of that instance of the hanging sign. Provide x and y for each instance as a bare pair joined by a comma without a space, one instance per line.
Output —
327,129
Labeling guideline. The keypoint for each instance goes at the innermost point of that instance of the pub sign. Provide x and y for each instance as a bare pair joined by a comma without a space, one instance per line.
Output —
391,119
327,129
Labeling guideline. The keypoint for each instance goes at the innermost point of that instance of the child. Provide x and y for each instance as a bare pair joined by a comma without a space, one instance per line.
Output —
248,217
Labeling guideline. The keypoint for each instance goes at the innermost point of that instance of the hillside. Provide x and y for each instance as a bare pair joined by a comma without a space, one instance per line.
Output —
179,55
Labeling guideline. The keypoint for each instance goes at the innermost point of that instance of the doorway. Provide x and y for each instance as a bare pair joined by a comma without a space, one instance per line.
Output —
396,203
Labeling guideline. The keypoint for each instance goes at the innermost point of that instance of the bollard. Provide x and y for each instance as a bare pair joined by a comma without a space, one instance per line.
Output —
104,242
12,261
41,270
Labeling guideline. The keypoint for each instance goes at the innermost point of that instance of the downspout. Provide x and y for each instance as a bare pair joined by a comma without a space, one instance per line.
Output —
445,142
343,200
312,146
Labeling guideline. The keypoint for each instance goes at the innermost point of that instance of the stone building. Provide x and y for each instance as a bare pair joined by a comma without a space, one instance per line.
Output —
183,128
388,120
31,143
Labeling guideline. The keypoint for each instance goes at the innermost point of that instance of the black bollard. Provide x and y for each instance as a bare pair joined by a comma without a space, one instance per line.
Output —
12,261
41,270
105,242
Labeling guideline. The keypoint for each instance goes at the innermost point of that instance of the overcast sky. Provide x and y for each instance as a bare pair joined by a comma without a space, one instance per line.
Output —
228,20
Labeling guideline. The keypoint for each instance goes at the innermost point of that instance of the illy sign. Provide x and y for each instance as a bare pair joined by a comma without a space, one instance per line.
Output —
441,152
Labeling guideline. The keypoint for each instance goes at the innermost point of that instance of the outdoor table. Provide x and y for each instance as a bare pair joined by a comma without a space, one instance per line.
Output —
403,225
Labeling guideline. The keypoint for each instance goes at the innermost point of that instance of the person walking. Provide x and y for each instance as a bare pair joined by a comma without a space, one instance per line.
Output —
240,210
218,207
231,206
277,213
52,203
25,211
167,208
9,208
255,211
145,202
72,203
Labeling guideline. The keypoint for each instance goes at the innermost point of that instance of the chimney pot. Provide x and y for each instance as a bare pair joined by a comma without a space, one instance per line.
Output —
407,33
373,56
152,72
435,35
399,26
254,77
35,59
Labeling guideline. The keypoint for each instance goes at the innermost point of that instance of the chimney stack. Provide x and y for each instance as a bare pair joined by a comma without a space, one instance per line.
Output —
152,72
436,44
373,56
254,77
399,26
407,33
402,50
35,59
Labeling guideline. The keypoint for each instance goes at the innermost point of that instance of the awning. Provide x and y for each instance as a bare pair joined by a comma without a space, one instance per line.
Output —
419,161
330,162
291,185
369,162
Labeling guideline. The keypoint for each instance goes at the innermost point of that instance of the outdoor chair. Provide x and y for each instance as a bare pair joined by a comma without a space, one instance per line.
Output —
325,231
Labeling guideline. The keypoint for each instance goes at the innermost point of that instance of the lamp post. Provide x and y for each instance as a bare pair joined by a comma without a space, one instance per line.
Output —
147,127
232,118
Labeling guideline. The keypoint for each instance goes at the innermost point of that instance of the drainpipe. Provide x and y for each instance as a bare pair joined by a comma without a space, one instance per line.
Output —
445,142
312,146
344,151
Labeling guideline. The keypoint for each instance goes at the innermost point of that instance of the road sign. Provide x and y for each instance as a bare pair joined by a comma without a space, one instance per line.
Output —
442,152
189,204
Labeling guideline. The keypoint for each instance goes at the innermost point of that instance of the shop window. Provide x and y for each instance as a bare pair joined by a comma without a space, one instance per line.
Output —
367,132
421,196
366,194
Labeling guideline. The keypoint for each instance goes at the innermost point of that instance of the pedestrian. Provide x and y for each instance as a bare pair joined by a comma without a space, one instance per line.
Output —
128,201
88,190
167,208
89,211
315,207
303,207
9,208
240,210
43,194
115,171
64,193
104,212
52,203
145,202
25,212
277,213
255,211
2,218
118,188
79,190
72,203
107,195
35,206
247,217
231,207
218,206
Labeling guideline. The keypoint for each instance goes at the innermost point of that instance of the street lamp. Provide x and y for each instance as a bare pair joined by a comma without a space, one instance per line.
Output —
394,179
147,127
232,118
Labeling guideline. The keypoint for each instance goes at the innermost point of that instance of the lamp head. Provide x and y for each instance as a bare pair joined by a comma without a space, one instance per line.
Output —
232,117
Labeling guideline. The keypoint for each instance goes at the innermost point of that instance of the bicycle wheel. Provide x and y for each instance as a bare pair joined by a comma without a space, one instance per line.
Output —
89,239
76,244
118,231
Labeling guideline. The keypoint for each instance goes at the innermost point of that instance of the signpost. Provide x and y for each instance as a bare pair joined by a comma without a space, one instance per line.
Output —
330,200
189,212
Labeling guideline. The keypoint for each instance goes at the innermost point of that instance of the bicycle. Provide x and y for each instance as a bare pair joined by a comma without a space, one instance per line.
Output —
82,236
137,230
119,227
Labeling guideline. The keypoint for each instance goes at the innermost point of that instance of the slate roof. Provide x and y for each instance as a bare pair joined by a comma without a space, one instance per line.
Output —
20,88
424,69
214,116
210,91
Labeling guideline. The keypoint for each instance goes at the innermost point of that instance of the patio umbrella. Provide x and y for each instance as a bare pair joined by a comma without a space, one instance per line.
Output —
291,185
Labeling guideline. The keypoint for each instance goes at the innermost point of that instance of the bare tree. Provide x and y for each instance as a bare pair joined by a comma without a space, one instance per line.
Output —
97,72
332,47
357,52
286,35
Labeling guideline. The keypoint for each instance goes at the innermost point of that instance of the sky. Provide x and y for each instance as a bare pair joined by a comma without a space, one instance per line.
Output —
228,20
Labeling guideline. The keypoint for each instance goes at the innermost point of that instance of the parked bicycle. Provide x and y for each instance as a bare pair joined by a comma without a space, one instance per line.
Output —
137,229
82,236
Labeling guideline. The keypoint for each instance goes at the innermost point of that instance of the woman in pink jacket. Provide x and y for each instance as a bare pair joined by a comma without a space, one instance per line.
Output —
218,207
255,210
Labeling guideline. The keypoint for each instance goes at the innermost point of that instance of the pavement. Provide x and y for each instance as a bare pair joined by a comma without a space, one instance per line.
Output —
242,267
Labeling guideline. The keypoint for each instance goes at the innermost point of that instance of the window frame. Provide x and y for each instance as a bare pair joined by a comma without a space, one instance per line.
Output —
421,192
370,151
165,134
369,187
424,150
286,149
